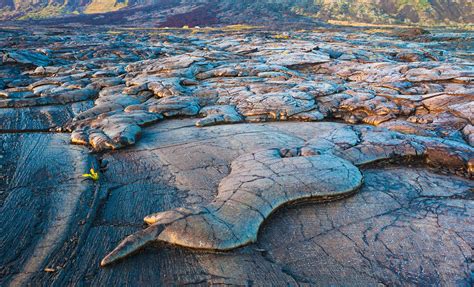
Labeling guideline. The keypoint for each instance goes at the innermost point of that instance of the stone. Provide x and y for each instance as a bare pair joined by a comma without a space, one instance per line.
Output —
468,132
214,115
27,58
223,129
294,59
174,106
275,106
262,181
258,184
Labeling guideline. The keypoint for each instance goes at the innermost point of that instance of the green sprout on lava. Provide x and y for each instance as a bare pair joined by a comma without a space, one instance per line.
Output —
92,175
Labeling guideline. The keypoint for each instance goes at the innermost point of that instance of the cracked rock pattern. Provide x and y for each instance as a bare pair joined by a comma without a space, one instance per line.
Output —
403,218
236,141
133,79
258,184
261,182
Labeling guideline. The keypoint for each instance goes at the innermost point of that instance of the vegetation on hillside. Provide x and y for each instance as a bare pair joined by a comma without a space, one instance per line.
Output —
103,6
426,12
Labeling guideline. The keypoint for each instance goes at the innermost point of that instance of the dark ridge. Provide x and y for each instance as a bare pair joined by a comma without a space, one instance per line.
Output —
198,17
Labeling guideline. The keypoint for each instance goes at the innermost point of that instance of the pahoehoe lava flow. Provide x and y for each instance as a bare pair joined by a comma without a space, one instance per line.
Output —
263,181
258,184
215,135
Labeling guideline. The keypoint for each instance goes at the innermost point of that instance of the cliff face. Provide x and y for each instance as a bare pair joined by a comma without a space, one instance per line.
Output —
373,11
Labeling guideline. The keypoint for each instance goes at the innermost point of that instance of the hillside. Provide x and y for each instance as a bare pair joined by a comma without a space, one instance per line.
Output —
426,12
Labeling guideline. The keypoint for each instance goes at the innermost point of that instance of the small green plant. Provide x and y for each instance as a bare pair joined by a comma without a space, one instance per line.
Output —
92,175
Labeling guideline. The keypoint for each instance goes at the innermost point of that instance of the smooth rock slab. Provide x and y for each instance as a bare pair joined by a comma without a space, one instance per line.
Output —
27,57
43,195
214,115
406,227
41,118
176,164
295,59
258,184
262,181
401,222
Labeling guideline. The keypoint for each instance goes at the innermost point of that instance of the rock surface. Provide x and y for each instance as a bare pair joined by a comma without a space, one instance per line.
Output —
258,184
252,78
213,137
